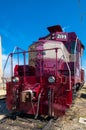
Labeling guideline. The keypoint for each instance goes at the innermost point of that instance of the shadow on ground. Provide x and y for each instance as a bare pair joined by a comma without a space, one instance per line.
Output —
83,95
3,109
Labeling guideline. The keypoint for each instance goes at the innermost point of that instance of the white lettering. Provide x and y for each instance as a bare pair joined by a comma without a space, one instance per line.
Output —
61,36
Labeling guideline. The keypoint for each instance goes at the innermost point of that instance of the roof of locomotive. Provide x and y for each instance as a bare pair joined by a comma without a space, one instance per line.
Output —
57,28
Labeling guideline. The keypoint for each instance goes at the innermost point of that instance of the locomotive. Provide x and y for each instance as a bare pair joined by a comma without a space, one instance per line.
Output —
46,84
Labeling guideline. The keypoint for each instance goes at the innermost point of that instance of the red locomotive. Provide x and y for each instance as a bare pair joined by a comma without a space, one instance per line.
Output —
47,84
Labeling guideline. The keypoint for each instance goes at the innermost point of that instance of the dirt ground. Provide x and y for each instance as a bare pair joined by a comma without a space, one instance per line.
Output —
71,120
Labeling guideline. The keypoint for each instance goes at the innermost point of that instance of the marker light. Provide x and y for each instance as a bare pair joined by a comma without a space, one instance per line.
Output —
51,79
15,79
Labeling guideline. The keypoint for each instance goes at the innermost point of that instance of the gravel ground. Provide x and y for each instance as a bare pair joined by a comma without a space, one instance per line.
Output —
70,121
22,124
3,109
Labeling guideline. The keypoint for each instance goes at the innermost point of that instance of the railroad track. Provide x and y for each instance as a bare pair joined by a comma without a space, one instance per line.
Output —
25,123
22,122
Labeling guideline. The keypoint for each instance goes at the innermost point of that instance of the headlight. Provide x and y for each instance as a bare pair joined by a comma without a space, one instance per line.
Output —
51,79
15,79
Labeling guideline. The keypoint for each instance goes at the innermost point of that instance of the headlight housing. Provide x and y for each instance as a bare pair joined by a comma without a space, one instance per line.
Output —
51,79
15,79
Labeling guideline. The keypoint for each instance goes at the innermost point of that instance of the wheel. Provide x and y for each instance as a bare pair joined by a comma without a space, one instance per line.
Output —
77,86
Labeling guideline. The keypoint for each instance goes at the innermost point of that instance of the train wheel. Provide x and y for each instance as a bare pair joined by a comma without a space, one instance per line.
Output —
78,86
13,115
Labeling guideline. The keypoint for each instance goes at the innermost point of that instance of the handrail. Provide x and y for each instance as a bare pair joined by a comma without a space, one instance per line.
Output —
11,54
68,69
35,50
75,59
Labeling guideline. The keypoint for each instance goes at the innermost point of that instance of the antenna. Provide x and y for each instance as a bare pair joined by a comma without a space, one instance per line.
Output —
81,14
0,60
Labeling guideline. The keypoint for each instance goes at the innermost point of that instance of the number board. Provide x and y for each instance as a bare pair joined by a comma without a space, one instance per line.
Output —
61,36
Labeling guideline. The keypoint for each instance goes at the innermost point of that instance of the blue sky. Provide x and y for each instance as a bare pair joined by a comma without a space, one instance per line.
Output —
24,21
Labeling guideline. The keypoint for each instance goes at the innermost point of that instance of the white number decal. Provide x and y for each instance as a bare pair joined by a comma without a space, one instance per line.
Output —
61,36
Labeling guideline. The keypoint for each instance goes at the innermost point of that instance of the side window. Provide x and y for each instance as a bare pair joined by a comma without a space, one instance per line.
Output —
67,46
73,47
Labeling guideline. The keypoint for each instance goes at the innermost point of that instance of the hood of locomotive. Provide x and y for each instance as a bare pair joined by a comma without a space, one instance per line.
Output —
50,60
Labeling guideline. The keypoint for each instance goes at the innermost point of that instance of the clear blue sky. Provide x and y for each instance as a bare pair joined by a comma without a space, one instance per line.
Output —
24,21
